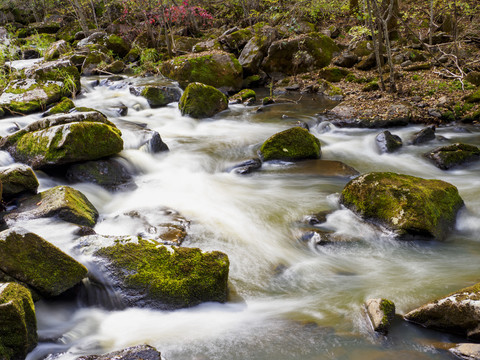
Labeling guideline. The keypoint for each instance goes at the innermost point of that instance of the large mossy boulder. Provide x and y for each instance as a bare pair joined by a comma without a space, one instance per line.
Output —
62,70
56,50
63,202
139,352
290,145
447,157
457,313
201,101
215,68
64,138
256,49
18,324
18,179
408,205
147,274
299,54
35,262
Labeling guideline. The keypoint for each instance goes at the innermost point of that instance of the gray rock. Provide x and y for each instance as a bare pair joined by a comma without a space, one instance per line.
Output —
346,60
387,142
18,179
246,167
56,50
157,96
381,313
453,155
256,49
425,135
467,351
139,352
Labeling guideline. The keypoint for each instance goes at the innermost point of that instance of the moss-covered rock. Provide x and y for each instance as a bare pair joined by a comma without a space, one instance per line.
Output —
56,50
62,107
18,179
333,74
18,324
115,67
208,45
381,313
116,44
256,49
474,97
218,69
201,101
34,261
387,142
408,205
133,55
63,202
93,61
64,138
243,96
157,96
457,313
362,48
149,275
453,155
290,145
62,70
234,42
473,77
299,54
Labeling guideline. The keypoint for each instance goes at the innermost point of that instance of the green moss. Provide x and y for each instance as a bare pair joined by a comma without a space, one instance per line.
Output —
290,145
34,261
183,278
244,95
18,179
155,96
116,44
388,308
453,155
200,101
333,74
409,205
371,86
63,106
474,97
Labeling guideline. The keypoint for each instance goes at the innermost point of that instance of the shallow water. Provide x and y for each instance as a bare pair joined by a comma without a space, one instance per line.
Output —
295,300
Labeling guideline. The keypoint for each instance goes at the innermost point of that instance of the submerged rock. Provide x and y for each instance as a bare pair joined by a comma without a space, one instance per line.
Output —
63,202
246,167
319,167
64,138
457,313
381,313
201,101
147,274
293,144
215,68
18,179
408,205
387,142
450,156
35,262
139,352
18,323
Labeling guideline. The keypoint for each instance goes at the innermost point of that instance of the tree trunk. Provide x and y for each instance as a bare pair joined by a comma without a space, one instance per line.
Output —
376,43
353,6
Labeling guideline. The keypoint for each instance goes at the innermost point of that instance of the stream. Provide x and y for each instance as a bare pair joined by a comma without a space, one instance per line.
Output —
295,299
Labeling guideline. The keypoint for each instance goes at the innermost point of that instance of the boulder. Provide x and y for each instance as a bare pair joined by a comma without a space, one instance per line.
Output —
447,157
147,274
18,323
299,54
235,41
425,135
109,174
64,138
63,202
56,50
32,260
18,179
333,74
408,205
62,70
215,68
466,351
93,60
246,167
201,101
290,145
115,67
243,96
62,107
157,96
381,313
346,60
256,49
473,77
474,97
362,48
111,42
208,45
457,313
152,142
139,352
387,142
367,63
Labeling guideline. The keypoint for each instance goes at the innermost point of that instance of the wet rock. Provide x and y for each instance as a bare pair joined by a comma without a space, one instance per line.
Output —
457,313
425,135
63,202
346,60
201,101
146,274
467,351
218,69
32,260
18,323
152,142
246,167
242,96
447,157
387,142
18,179
290,145
121,110
56,50
256,49
64,138
325,168
299,54
345,115
409,206
62,107
110,174
157,96
139,352
381,313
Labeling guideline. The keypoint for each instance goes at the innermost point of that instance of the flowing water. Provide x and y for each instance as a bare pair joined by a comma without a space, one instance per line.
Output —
295,300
